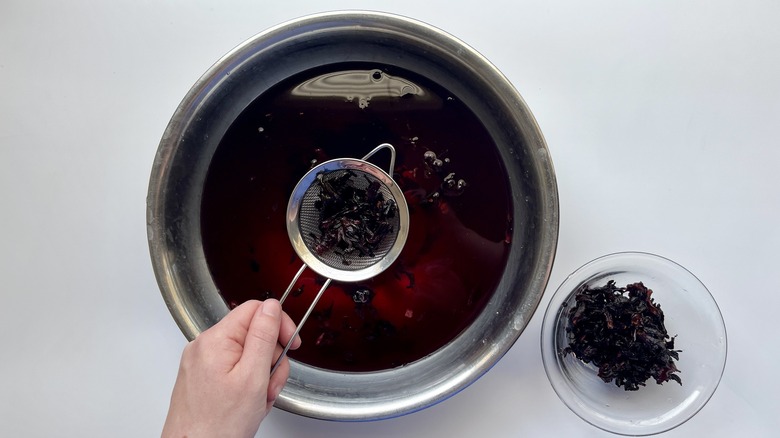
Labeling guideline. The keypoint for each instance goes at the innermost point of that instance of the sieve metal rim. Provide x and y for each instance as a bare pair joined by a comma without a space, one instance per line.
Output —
310,259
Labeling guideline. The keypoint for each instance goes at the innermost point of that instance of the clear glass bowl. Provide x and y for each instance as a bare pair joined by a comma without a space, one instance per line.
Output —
690,313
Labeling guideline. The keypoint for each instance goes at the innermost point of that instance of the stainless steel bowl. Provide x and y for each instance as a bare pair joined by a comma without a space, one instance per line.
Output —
227,88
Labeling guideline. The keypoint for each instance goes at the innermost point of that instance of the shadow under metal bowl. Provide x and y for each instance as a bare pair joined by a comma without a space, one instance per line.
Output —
249,70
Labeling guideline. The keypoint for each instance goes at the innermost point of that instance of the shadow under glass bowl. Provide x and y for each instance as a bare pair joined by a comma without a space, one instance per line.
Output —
690,313
256,66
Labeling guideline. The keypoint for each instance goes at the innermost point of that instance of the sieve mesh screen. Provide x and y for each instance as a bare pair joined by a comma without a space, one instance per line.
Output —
309,218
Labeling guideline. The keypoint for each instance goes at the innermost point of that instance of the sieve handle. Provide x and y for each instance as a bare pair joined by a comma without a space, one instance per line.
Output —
292,283
305,316
392,156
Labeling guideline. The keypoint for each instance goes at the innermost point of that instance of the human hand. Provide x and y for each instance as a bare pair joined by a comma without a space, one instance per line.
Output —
224,387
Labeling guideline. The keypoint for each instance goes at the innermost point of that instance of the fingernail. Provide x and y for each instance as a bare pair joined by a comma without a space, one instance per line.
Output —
275,391
296,344
271,307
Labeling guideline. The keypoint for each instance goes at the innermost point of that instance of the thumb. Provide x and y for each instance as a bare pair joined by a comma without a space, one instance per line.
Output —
262,336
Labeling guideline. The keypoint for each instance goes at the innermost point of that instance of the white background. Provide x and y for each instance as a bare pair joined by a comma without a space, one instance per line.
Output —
661,117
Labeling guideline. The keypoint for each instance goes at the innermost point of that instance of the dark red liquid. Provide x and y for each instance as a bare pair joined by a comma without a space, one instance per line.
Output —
456,250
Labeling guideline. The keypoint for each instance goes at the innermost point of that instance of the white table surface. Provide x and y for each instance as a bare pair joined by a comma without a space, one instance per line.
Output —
669,108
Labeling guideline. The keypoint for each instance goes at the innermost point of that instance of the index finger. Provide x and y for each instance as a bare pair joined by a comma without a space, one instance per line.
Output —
287,330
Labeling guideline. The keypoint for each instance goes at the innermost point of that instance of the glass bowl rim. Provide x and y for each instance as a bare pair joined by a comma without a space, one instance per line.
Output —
549,358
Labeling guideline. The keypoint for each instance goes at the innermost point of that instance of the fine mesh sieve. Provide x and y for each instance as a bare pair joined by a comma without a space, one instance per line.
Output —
349,264
309,220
